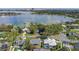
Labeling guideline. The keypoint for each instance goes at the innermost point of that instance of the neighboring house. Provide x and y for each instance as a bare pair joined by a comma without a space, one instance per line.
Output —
49,43
73,26
35,43
76,34
41,49
20,43
76,47
72,34
69,34
4,46
43,37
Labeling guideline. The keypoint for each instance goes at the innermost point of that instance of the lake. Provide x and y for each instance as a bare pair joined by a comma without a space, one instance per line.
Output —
27,17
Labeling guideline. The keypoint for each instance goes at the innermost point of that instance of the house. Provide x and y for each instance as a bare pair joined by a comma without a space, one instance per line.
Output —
76,47
69,34
49,43
20,43
41,49
4,46
72,34
73,26
35,43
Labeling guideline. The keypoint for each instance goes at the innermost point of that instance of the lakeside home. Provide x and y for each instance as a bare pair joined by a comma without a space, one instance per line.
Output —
35,43
49,43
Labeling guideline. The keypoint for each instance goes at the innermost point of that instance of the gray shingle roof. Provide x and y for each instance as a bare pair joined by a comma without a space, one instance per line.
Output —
35,41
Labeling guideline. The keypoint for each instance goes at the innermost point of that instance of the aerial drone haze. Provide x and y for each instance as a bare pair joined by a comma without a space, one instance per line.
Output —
39,29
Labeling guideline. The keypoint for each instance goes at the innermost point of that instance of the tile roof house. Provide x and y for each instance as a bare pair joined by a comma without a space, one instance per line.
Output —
35,43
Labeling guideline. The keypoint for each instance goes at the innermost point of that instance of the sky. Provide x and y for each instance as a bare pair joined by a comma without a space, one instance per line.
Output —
39,3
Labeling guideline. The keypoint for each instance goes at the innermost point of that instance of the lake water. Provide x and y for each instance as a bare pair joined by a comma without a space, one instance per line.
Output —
26,17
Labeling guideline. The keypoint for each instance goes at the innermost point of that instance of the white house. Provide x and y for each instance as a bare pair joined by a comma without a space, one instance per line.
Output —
51,42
